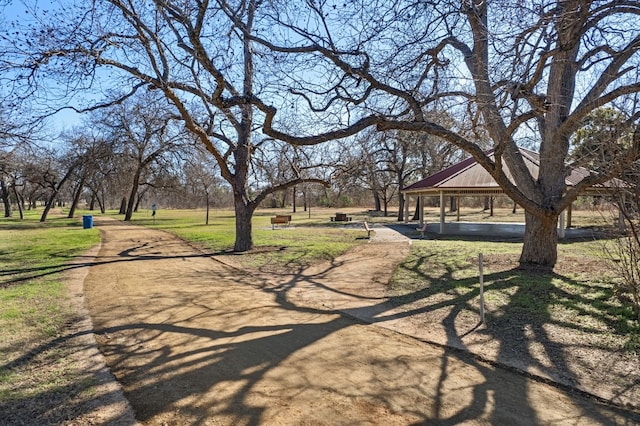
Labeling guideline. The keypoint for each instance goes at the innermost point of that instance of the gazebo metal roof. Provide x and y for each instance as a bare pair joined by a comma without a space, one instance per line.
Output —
469,178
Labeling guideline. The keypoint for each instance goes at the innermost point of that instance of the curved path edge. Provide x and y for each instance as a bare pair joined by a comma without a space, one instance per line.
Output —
111,406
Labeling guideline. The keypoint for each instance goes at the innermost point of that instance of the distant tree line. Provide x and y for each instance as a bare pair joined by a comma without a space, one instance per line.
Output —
137,153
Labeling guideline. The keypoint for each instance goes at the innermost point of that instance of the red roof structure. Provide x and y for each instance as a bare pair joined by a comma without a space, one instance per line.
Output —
470,178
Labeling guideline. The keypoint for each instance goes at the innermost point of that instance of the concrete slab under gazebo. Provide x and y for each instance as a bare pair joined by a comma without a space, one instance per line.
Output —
468,178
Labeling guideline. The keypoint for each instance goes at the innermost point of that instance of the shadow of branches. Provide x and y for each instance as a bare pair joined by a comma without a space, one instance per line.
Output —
192,339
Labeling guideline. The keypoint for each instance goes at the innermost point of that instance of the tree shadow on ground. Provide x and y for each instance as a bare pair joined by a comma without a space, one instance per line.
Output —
64,394
247,364
527,324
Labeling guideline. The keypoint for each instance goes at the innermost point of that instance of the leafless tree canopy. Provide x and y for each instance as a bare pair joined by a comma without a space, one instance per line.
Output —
198,54
520,72
310,71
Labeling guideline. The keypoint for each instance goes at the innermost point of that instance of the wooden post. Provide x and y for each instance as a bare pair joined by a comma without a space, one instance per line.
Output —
406,207
458,208
561,229
442,212
621,227
481,288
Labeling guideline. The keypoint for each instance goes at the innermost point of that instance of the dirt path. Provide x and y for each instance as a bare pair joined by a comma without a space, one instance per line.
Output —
194,340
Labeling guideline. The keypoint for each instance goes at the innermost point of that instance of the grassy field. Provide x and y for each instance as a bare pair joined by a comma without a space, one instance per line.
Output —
305,245
580,294
34,307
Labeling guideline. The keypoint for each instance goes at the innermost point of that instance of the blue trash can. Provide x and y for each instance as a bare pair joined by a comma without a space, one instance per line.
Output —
87,222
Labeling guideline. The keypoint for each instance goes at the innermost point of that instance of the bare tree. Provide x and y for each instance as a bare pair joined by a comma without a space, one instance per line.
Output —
92,153
7,169
377,163
520,73
605,135
50,171
198,55
146,131
201,176
16,136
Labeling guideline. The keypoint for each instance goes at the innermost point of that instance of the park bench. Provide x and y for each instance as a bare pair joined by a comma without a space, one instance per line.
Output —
366,228
280,220
422,230
341,217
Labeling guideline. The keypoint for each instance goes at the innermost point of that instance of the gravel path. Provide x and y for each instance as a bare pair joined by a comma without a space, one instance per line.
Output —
193,340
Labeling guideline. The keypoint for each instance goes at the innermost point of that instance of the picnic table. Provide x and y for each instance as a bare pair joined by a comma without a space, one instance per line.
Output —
341,217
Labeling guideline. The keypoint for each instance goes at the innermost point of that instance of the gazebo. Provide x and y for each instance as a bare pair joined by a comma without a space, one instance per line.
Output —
468,178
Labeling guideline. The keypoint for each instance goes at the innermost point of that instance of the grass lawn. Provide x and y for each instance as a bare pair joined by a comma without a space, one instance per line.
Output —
310,238
579,295
35,309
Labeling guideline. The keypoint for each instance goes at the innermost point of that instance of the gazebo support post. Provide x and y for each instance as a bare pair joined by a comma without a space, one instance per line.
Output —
569,214
421,209
406,208
621,227
442,212
458,209
561,228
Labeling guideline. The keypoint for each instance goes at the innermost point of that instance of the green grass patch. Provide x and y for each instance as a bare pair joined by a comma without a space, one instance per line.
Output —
308,240
579,296
34,306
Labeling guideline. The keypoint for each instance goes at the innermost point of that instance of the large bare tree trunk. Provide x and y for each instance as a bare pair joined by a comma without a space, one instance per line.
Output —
76,199
132,195
416,211
55,189
4,192
293,201
101,203
48,205
139,198
207,218
540,247
401,201
244,213
19,200
376,199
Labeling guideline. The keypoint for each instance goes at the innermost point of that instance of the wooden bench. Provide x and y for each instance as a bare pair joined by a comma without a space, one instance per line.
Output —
366,228
422,230
280,220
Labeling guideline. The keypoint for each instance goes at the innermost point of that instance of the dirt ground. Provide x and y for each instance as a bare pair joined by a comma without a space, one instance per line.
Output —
195,339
